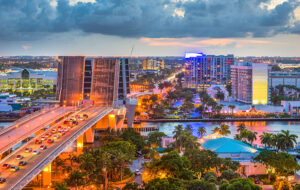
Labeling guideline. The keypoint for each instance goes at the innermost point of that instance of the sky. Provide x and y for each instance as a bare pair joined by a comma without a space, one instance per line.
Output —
150,27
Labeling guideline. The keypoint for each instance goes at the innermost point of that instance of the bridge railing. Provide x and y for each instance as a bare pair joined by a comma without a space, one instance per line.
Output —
21,183
27,118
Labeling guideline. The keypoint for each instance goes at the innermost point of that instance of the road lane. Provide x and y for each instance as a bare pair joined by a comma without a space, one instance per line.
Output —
34,160
14,136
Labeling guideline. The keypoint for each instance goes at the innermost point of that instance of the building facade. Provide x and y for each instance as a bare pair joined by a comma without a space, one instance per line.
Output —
291,107
94,80
27,80
284,78
202,70
153,64
250,82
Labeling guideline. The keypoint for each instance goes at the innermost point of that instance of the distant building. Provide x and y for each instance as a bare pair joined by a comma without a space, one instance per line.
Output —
250,82
202,70
284,78
291,107
153,64
27,80
96,80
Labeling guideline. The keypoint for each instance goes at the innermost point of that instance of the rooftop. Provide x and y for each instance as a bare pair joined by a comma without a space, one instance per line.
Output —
227,145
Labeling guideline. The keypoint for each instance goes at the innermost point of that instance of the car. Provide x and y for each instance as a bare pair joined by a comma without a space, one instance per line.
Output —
27,149
43,147
44,138
36,152
66,129
54,131
22,163
56,137
19,157
59,127
37,141
14,168
6,166
48,135
66,122
137,172
2,180
60,130
85,116
50,141
61,133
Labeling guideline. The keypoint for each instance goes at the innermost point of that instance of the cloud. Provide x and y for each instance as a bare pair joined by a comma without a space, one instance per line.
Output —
214,42
34,19
26,47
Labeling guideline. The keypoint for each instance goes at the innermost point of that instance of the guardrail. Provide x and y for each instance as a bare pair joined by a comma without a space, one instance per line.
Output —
21,183
26,119
38,128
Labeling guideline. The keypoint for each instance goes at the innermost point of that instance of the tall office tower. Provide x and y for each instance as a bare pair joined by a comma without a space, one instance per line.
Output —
250,82
202,70
83,79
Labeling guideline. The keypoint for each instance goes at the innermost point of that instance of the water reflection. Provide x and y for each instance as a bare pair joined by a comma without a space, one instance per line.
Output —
257,126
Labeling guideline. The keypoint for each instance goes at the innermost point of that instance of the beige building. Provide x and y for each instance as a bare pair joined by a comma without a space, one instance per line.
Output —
153,64
250,82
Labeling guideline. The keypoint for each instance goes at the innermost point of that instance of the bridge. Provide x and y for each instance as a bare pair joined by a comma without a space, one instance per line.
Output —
25,131
35,124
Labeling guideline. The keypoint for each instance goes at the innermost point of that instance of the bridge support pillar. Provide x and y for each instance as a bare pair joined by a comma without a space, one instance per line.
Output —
130,113
79,144
47,175
89,135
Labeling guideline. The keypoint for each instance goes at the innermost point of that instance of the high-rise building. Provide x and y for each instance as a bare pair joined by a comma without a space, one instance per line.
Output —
153,64
202,70
96,80
250,82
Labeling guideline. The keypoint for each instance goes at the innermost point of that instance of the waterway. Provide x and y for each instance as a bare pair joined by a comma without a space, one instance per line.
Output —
257,126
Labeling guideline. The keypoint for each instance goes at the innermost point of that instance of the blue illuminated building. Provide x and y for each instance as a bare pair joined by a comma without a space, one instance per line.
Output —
201,71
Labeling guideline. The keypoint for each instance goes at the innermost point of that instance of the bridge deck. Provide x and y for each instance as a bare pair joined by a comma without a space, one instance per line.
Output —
15,134
36,163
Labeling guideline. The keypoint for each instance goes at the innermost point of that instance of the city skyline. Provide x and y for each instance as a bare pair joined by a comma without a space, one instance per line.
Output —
160,28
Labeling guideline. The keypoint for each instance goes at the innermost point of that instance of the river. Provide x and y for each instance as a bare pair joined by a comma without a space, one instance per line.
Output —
257,126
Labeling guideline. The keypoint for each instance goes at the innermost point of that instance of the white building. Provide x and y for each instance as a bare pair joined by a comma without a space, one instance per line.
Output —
291,107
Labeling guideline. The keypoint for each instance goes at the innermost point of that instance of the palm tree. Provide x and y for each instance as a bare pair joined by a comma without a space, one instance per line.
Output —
216,130
87,164
190,142
189,128
75,179
224,130
266,139
237,137
251,136
178,135
232,107
287,140
201,131
61,186
241,127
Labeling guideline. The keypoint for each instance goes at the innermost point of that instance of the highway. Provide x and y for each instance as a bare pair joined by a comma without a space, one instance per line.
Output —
14,134
36,163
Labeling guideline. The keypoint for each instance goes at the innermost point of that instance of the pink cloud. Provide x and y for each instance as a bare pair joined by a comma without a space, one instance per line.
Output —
192,42
26,47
